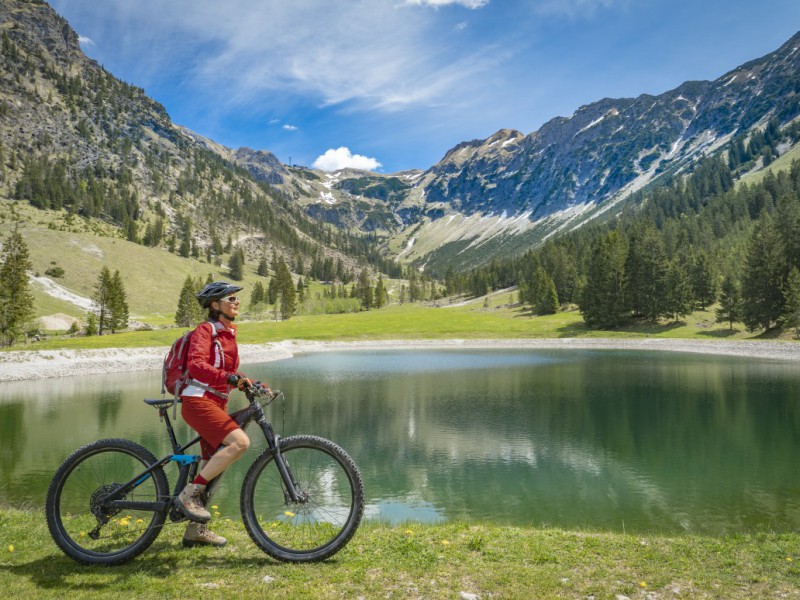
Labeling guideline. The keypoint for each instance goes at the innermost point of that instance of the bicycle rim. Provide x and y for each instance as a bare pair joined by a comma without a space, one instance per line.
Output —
81,527
323,521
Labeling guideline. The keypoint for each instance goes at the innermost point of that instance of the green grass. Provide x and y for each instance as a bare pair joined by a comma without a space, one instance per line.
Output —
500,320
782,163
153,277
415,561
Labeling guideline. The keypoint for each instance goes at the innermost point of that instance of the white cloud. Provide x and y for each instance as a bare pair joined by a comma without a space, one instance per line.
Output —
288,127
85,42
342,158
437,3
360,54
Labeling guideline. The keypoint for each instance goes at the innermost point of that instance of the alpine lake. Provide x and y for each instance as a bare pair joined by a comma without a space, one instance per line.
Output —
575,439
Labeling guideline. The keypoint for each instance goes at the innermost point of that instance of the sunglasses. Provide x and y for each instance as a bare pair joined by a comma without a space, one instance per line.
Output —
230,299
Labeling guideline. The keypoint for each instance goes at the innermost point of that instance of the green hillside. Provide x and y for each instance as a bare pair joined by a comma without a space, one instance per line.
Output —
153,277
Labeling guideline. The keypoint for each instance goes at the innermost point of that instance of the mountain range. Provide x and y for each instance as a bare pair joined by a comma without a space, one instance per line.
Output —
103,149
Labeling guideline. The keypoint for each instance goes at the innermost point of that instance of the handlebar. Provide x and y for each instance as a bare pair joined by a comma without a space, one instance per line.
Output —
259,391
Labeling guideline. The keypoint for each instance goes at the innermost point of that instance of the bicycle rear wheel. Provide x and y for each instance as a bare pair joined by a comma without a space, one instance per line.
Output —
85,529
323,521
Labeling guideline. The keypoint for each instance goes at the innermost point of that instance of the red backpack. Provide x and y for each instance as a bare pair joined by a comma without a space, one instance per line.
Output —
175,372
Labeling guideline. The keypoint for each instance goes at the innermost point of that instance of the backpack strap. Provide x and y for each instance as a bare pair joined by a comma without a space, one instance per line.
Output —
186,380
215,326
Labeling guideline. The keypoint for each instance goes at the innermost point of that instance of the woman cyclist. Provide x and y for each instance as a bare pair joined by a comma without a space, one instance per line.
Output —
213,362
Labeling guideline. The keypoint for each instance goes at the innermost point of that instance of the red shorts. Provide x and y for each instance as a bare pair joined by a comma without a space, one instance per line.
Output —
208,419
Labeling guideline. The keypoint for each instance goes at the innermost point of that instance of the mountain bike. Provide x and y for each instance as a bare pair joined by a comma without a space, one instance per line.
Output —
302,499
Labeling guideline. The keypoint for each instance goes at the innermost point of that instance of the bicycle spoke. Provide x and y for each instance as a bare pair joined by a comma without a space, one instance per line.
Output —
81,521
325,516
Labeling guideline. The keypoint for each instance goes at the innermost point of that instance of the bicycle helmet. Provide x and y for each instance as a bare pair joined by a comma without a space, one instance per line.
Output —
215,291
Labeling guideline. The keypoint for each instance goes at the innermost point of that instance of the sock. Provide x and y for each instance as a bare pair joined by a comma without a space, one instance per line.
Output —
200,480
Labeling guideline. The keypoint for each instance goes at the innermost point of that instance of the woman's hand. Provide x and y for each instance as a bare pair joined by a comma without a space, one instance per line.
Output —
240,382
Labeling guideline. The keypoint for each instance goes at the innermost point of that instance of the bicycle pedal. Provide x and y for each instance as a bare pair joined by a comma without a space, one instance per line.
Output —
176,516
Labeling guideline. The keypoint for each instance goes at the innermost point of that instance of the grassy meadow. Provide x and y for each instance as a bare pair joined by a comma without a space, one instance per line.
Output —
495,317
454,560
153,280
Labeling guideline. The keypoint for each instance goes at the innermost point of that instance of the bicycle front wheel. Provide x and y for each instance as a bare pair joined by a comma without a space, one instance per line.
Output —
323,520
91,532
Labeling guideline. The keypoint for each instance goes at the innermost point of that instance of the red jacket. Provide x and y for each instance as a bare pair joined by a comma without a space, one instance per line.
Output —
205,364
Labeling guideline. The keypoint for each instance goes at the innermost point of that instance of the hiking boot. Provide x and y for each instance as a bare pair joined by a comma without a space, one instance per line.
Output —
190,503
198,534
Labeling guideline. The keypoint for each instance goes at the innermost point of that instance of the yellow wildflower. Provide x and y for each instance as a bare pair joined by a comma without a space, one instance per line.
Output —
643,584
289,514
11,548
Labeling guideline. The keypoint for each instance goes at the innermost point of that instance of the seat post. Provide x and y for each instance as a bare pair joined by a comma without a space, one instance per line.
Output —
164,414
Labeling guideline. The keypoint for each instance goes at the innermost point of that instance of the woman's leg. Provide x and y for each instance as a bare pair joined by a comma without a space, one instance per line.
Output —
235,445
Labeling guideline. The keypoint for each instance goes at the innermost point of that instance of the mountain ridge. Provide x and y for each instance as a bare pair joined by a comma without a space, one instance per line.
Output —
110,151
574,168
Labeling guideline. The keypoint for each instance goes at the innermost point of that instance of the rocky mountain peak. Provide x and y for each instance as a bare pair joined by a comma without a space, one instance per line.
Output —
614,146
35,26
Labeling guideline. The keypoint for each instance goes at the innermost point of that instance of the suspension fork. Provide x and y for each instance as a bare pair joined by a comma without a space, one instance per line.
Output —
292,489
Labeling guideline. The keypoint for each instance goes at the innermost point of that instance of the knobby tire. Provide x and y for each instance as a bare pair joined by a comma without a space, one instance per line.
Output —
90,473
320,525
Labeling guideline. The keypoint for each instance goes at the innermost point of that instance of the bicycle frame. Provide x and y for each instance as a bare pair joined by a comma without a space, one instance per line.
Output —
253,412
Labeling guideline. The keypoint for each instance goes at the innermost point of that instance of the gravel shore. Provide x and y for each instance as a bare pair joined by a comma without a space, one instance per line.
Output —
24,365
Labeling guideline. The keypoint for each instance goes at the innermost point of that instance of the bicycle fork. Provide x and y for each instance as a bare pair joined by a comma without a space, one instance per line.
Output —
291,490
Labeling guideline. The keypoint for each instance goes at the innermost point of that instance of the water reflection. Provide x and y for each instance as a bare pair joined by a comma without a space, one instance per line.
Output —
588,439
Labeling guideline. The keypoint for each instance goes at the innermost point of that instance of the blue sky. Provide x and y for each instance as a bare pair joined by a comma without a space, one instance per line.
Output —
393,84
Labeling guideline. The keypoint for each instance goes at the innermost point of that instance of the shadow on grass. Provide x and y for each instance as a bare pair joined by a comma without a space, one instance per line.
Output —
719,333
162,560
524,313
577,329
776,333
580,329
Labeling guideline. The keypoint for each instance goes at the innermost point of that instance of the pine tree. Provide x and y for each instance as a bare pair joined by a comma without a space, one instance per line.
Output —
101,298
236,265
380,296
704,284
646,271
413,288
186,241
91,324
787,223
258,295
118,304
16,298
286,294
365,290
184,316
542,293
762,286
263,269
730,303
272,290
679,297
791,294
603,302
